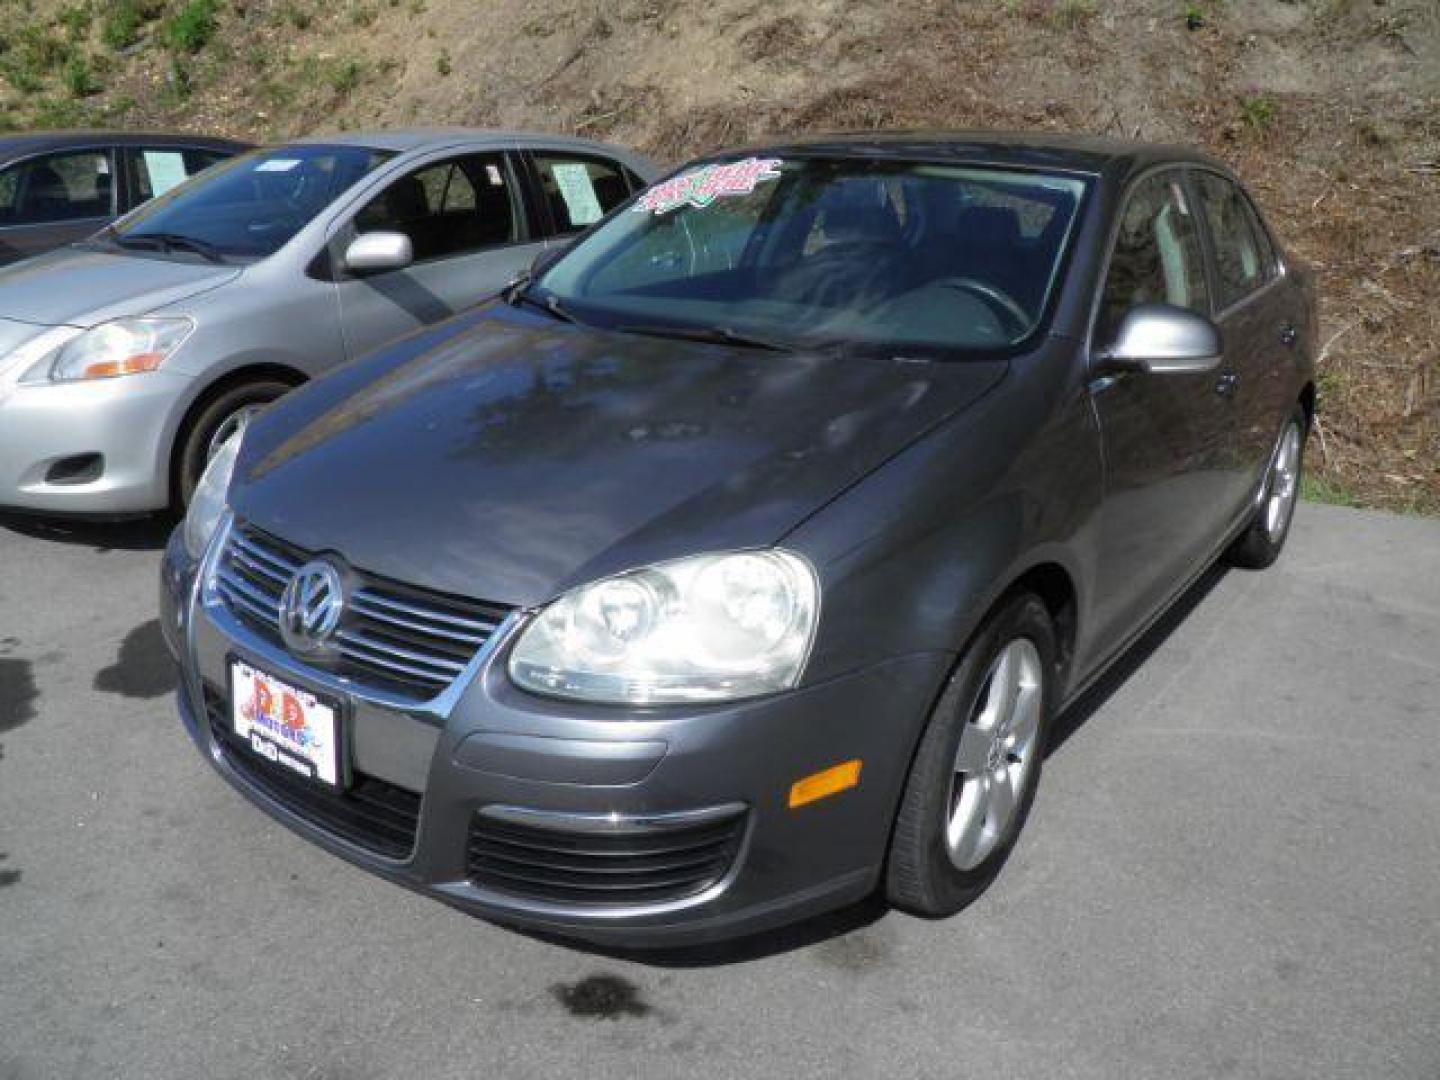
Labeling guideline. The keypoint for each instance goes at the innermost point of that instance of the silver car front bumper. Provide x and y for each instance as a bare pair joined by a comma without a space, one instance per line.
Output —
121,428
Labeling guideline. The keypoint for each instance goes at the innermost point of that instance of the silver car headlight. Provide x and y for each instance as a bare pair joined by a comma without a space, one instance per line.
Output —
112,349
207,504
706,628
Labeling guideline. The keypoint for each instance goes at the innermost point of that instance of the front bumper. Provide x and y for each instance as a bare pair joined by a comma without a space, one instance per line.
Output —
117,432
485,752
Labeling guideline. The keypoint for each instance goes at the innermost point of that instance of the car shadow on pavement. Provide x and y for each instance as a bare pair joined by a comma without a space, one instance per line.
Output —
856,917
129,534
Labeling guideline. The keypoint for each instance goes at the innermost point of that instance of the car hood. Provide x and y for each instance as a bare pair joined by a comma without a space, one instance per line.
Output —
82,286
507,458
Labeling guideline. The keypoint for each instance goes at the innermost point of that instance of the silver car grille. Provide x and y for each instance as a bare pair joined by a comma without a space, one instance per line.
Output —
393,637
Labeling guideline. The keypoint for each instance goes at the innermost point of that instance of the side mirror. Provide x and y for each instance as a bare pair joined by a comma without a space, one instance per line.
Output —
372,252
1162,339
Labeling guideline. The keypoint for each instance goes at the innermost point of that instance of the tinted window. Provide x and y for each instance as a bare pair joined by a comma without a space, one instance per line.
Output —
1157,257
580,191
67,186
157,170
451,208
813,251
250,206
1243,260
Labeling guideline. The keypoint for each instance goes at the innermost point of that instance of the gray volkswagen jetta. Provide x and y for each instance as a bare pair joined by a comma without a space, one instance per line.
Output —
737,562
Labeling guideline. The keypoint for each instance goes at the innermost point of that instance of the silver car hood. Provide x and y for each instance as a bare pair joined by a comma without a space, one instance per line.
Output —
85,286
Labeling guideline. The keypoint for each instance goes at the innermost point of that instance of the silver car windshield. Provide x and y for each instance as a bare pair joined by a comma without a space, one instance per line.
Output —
250,206
903,256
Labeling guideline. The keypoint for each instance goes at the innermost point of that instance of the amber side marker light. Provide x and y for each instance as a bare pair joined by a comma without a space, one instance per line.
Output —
825,783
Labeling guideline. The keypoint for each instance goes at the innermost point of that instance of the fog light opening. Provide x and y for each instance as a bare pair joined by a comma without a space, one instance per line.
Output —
79,469
826,782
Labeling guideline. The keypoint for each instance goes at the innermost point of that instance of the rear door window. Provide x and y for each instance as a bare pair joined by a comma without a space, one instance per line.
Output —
1243,257
1157,256
580,190
72,185
155,170
453,207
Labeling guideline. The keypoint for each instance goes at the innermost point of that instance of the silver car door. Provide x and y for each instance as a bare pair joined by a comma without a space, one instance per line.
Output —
466,220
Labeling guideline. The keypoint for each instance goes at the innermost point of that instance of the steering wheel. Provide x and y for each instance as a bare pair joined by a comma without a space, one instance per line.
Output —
999,301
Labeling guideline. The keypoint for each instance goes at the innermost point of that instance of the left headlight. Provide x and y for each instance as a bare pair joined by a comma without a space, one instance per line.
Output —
120,347
707,628
207,504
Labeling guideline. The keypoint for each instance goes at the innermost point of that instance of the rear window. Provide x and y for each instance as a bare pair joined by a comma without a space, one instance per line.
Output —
580,191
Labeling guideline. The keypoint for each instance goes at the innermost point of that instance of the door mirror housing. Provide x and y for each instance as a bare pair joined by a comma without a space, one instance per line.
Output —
373,252
1161,339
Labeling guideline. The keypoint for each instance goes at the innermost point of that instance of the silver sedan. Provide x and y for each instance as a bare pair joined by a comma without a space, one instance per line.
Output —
125,359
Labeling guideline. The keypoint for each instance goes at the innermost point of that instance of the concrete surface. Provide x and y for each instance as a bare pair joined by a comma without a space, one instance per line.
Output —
1233,870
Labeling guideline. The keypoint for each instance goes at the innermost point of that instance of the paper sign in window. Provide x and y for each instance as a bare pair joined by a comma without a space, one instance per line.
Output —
578,192
165,168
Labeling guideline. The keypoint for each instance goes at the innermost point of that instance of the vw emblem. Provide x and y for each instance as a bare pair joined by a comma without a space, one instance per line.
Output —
311,606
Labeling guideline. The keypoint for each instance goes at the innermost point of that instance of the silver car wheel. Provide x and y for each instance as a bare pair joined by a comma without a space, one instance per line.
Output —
1284,483
231,426
996,755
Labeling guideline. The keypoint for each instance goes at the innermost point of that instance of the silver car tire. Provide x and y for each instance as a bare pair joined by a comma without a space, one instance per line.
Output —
977,767
211,422
1263,540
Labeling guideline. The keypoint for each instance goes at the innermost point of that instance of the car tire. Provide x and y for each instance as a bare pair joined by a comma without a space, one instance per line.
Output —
1261,542
955,826
207,430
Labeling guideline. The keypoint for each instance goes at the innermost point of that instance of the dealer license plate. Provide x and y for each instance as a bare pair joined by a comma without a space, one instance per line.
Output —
284,724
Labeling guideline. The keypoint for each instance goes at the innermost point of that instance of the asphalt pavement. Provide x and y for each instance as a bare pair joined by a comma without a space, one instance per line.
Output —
1232,870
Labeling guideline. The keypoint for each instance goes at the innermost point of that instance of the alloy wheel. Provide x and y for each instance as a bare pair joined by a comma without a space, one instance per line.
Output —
231,426
1284,483
996,755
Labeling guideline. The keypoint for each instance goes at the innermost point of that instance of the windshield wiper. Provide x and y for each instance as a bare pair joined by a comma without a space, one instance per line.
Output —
547,304
170,242
719,335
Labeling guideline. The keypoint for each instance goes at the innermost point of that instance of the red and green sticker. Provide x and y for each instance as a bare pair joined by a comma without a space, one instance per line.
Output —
701,187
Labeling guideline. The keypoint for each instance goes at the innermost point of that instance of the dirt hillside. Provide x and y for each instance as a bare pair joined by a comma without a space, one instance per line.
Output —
1331,108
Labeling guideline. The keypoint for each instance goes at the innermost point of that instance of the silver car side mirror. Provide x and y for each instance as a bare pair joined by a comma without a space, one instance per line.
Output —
374,251
1162,339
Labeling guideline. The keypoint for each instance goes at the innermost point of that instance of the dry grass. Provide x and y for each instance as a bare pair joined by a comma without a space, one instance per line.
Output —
1330,108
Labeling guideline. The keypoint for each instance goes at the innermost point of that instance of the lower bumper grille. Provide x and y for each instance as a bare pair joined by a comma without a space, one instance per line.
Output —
372,814
605,863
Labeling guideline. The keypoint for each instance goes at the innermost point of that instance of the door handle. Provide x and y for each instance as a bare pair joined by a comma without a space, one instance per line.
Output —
1288,335
1225,385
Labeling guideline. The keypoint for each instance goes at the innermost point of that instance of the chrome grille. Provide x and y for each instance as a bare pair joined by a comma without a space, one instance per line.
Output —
393,636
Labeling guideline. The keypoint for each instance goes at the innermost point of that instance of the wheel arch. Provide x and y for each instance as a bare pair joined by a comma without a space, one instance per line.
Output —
239,376
1307,402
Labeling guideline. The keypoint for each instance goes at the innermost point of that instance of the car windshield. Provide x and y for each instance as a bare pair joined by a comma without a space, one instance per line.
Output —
907,257
250,206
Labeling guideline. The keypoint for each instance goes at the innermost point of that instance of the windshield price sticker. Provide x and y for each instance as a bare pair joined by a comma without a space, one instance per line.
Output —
704,185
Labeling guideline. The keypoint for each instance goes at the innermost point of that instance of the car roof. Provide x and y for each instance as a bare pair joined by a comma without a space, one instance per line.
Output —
1073,153
20,145
403,140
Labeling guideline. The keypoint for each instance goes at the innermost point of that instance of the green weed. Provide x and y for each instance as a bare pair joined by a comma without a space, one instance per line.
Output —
191,28
79,77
